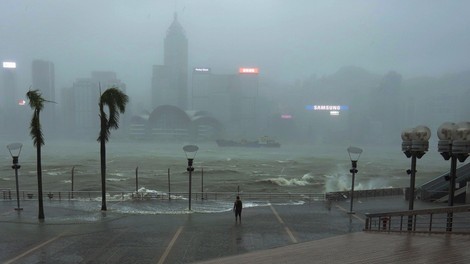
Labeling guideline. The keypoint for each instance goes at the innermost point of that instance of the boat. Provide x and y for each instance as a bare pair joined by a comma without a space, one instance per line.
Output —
264,141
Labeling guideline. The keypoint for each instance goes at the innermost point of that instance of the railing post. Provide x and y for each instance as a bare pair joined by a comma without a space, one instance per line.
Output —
430,222
137,179
169,185
73,172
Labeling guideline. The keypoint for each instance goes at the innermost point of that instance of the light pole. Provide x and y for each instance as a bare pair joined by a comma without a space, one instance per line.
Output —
15,150
354,154
190,152
454,144
415,144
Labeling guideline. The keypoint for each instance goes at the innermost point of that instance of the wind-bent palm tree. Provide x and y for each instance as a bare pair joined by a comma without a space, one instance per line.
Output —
36,102
116,101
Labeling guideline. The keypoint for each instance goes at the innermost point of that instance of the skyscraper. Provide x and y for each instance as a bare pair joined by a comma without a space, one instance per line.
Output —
170,80
80,109
230,98
8,93
11,112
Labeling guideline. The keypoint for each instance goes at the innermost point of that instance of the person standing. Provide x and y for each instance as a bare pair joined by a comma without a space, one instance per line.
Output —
237,208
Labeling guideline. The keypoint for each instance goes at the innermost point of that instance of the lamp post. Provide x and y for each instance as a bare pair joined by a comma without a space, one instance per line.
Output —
15,150
415,144
190,152
354,154
454,144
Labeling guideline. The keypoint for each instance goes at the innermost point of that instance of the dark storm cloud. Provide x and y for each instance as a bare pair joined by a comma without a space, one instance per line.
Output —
286,39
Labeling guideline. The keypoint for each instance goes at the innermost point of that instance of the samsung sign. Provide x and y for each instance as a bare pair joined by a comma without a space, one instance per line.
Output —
327,107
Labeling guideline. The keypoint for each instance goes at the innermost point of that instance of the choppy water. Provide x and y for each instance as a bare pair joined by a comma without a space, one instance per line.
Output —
291,168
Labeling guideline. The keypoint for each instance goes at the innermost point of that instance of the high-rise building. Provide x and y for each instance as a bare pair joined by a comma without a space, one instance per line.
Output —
170,80
249,89
82,113
8,91
44,81
230,98
13,117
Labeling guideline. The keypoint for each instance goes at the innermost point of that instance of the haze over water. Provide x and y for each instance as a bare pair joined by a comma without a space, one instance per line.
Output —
289,169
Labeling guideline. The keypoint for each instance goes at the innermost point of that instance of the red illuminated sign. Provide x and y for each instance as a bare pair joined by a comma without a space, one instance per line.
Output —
249,70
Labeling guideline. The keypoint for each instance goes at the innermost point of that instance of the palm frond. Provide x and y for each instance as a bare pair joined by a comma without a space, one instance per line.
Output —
116,101
35,99
36,102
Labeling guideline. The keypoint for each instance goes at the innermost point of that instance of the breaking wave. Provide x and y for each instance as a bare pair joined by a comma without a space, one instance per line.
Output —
305,180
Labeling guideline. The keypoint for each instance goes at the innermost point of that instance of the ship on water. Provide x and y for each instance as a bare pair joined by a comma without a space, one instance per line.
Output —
264,141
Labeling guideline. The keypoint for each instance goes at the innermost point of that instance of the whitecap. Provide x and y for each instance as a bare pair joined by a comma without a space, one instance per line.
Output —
280,181
115,179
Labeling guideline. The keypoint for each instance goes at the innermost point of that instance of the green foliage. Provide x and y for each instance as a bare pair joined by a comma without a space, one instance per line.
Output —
116,102
36,102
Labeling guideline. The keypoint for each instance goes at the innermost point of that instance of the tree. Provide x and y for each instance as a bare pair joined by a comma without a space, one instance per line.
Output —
36,102
116,102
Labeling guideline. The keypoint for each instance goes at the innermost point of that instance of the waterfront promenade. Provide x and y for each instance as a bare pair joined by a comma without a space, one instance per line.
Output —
311,233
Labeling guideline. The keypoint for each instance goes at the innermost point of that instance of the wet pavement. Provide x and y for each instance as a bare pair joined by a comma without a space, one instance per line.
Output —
78,232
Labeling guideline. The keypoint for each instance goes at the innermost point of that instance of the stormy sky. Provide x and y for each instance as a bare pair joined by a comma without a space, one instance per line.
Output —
286,39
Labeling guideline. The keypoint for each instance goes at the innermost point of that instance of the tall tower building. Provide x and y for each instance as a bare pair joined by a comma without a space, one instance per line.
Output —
81,110
170,80
230,98
8,93
10,111
44,81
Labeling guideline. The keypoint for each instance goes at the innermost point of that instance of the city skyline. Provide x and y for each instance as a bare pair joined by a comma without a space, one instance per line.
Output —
287,41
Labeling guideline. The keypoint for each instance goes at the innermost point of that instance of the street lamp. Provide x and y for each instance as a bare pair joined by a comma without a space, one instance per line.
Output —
454,144
190,152
15,150
415,143
354,154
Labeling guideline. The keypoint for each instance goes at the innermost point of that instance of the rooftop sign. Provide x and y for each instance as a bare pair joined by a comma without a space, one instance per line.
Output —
249,70
200,69
9,64
327,107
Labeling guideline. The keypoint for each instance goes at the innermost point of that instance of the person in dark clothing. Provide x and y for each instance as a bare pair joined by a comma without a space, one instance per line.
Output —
237,208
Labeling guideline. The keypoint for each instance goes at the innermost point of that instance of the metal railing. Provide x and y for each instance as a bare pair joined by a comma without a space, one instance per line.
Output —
455,219
438,187
6,194
132,195
338,196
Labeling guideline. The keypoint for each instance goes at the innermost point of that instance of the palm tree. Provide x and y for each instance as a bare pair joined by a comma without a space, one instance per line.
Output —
116,101
36,102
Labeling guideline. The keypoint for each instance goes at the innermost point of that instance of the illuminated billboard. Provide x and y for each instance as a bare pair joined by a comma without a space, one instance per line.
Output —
327,107
202,69
286,116
248,70
21,102
9,64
